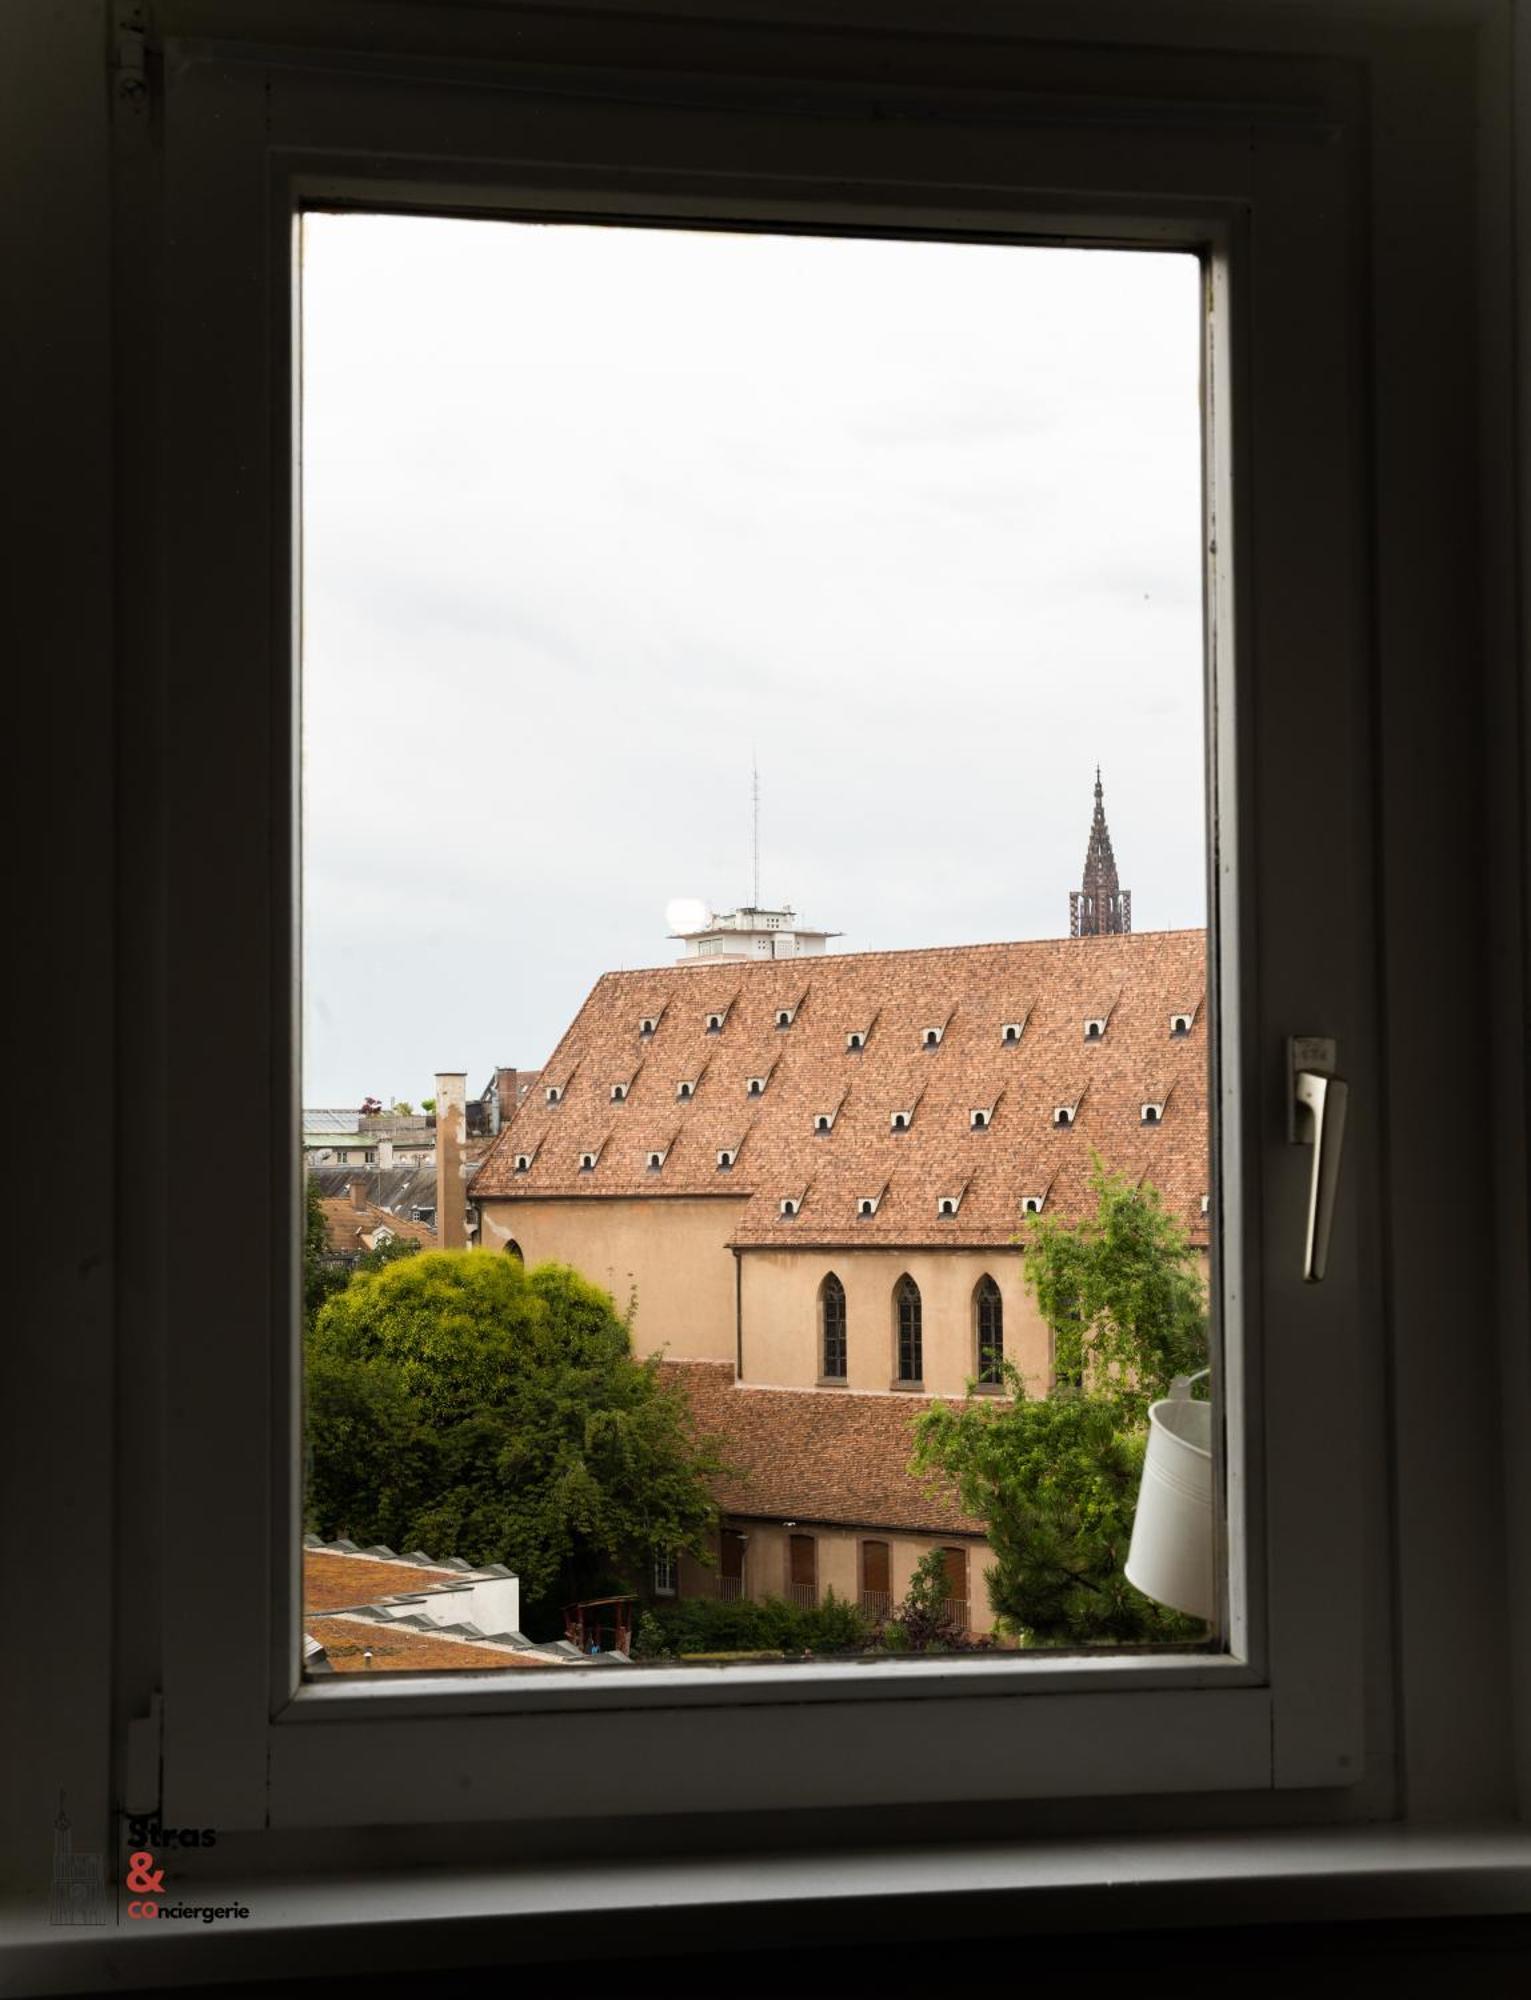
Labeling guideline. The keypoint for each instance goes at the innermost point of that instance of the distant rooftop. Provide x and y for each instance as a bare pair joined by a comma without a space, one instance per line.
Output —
751,933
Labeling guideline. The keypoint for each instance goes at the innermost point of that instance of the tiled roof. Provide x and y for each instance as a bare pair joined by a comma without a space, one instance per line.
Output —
825,1455
1049,989
334,1580
398,1188
409,1611
395,1648
349,1230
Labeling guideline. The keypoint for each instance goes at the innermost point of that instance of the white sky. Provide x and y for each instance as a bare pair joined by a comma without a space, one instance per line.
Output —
591,513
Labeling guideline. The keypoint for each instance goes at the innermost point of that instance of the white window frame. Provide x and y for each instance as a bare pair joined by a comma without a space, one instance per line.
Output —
246,1746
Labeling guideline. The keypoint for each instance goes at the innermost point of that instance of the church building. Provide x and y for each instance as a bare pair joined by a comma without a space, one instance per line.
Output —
813,1179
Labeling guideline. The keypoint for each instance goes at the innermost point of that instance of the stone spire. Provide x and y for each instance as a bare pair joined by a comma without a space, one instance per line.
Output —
1099,908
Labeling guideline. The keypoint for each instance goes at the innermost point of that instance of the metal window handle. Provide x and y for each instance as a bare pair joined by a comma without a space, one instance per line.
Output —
1319,1103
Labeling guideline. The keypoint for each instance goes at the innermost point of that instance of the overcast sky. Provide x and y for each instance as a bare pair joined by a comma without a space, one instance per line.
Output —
590,515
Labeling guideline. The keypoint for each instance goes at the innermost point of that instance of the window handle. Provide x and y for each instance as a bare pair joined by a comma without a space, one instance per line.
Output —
1318,1102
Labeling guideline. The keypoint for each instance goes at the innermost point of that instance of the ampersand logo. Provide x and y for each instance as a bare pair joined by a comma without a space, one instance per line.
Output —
143,1877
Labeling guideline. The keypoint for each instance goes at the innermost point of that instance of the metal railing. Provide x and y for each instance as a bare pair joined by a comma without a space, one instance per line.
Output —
876,1604
956,1609
804,1594
730,1587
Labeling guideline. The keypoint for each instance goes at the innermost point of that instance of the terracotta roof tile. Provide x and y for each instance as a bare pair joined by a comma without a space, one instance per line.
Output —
348,1229
403,1648
1050,987
333,1580
828,1455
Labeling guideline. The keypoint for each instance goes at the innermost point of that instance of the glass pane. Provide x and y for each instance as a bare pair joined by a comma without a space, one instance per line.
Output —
753,719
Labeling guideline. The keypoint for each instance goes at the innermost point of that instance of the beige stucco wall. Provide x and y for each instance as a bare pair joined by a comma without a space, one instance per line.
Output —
839,1563
675,1252
780,1294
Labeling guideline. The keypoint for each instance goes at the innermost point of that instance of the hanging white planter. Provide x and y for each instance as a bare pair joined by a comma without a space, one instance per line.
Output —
1170,1559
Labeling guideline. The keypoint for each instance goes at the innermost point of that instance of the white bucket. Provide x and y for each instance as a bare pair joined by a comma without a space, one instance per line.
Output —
1171,1555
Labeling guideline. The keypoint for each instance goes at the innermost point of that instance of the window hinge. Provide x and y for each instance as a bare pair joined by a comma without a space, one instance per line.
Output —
141,1778
129,67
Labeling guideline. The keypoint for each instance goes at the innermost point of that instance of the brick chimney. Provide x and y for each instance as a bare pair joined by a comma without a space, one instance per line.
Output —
451,1135
505,1097
359,1195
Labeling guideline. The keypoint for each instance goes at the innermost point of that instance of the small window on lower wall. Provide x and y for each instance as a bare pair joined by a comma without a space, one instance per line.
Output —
802,1571
955,1563
876,1580
664,1574
513,1249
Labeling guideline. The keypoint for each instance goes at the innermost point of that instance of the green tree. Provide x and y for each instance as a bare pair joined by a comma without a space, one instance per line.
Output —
1055,1476
389,1251
462,1404
923,1623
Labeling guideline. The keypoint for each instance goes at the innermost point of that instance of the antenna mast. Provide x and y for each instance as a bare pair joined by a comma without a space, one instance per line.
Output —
755,805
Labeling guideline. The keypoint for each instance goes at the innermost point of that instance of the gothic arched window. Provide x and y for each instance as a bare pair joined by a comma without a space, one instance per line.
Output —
911,1339
513,1249
832,1329
989,1325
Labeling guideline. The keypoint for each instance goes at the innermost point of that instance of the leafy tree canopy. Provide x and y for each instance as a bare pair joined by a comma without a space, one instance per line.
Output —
462,1404
1055,1476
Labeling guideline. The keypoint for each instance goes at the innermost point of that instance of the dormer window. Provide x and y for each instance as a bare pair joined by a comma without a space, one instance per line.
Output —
948,1204
757,1086
726,1157
980,1118
554,1093
1095,1028
790,1205
656,1159
785,1016
1031,1204
900,1120
715,1021
930,1038
868,1204
587,1162
1180,1027
856,1040
523,1163
1010,1033
648,1024
619,1093
1063,1115
823,1121
685,1090
1152,1114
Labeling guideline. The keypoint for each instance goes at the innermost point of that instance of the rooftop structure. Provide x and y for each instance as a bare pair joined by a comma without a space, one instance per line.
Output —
878,1098
748,933
831,1460
372,1609
1100,907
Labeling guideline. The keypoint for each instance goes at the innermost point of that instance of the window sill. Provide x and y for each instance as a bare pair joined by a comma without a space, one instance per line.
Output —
907,1388
832,1382
360,1919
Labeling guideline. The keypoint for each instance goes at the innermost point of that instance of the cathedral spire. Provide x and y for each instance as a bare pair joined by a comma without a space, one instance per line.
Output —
1099,907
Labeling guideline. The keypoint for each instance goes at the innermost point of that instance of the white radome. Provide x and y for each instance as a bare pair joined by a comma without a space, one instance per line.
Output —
686,913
